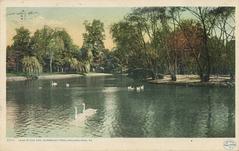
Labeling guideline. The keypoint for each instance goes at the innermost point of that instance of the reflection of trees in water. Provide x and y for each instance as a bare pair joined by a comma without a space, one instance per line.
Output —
174,112
223,109
38,111
109,123
139,115
231,114
159,111
221,103
209,119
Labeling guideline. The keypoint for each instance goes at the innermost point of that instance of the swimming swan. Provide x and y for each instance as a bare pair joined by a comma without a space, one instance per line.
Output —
85,113
130,88
53,83
67,85
138,89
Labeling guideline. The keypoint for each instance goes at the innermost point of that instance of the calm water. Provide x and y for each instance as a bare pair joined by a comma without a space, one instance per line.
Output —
158,111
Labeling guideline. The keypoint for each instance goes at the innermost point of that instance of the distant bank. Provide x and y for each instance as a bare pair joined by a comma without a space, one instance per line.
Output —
55,76
184,80
194,80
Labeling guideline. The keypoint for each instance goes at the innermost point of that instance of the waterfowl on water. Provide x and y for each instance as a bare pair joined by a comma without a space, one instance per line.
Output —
53,83
138,88
130,88
85,113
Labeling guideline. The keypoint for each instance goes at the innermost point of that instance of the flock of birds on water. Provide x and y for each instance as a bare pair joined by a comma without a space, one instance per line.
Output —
86,113
130,88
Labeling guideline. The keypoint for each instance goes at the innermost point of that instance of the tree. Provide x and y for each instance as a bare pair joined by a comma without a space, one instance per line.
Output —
207,19
143,37
76,65
128,45
224,31
86,57
174,14
21,45
11,59
67,52
31,65
55,46
93,40
187,40
40,42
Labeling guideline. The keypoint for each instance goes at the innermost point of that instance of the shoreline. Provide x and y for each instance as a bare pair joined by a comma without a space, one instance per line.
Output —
194,80
182,80
56,76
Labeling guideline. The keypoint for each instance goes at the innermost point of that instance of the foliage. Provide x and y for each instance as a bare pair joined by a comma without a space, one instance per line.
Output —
93,40
21,45
153,39
31,66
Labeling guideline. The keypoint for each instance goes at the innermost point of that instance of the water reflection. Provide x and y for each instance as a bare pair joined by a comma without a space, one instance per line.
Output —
158,111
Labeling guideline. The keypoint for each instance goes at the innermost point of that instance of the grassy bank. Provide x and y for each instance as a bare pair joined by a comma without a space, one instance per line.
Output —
22,77
194,80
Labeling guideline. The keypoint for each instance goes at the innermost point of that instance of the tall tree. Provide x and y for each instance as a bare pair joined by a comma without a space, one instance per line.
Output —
40,42
55,47
224,31
21,45
93,39
207,21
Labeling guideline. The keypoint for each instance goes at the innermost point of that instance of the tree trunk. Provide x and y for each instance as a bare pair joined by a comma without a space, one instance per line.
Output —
174,77
51,58
206,77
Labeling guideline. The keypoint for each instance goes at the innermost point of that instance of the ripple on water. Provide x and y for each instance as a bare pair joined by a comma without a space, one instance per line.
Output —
158,111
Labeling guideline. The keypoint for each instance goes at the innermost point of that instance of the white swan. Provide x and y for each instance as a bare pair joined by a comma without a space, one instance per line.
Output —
130,88
53,83
88,112
81,117
138,89
67,85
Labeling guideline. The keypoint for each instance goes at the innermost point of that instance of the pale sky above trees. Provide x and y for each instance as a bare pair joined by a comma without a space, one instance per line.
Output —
71,19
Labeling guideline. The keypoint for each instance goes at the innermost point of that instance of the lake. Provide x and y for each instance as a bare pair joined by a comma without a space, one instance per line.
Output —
36,109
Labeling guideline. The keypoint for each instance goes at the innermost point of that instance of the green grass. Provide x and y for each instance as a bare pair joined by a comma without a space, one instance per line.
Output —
12,74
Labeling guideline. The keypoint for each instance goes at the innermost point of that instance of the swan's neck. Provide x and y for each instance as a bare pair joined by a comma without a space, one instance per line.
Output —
83,108
75,112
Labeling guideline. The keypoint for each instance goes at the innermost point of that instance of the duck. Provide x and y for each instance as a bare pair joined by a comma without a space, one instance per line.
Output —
53,83
67,85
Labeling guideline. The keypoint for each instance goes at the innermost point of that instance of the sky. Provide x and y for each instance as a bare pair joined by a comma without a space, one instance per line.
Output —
71,19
